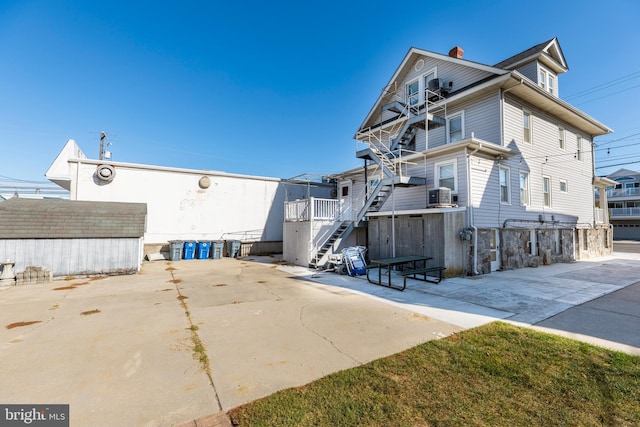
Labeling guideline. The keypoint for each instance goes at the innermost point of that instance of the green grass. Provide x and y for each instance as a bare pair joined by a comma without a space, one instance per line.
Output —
495,375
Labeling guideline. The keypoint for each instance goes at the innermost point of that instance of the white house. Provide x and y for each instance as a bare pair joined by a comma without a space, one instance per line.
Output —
481,167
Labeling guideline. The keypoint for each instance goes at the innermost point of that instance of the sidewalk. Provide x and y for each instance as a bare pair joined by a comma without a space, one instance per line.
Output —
524,297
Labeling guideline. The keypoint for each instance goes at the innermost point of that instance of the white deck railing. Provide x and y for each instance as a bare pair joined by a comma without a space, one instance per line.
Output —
312,209
623,192
624,212
599,216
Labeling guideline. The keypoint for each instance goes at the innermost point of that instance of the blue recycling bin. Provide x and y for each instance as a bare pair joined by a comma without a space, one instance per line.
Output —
203,249
189,249
217,249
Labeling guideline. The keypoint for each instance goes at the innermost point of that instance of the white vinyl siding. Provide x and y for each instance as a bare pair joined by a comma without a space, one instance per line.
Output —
543,157
481,118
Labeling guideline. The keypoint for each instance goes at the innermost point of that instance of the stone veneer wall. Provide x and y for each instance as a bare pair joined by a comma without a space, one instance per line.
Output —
553,246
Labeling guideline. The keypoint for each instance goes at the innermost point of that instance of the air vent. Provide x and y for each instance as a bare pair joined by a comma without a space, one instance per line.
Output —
106,173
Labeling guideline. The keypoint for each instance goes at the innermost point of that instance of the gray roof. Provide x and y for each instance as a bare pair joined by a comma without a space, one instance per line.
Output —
539,48
67,219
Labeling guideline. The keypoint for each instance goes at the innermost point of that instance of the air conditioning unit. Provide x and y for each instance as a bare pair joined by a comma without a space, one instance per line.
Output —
438,86
440,198
435,85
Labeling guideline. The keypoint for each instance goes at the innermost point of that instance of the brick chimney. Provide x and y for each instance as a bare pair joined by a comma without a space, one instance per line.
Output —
456,52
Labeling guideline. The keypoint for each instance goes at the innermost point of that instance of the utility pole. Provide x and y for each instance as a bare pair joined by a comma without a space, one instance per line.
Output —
102,138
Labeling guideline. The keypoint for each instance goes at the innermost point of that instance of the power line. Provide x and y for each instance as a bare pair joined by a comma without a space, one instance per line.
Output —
604,85
606,96
618,164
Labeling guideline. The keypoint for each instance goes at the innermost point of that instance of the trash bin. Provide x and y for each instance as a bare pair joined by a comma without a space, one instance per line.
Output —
203,249
175,248
232,248
217,249
189,249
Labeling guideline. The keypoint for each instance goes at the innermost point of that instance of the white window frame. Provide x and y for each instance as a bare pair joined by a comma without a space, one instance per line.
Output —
579,155
551,84
437,168
547,80
562,138
415,95
527,132
546,194
507,185
527,191
459,115
542,78
566,186
425,83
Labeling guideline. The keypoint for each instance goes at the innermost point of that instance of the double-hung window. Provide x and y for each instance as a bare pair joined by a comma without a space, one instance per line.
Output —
561,138
455,128
578,147
446,175
526,126
547,81
546,191
524,189
505,191
413,92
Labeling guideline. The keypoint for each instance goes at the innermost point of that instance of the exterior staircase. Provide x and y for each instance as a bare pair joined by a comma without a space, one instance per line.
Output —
384,150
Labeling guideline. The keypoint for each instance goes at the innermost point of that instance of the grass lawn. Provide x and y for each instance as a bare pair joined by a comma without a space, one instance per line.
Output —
495,375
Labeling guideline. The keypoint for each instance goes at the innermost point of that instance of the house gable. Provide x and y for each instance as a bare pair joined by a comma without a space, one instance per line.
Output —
457,74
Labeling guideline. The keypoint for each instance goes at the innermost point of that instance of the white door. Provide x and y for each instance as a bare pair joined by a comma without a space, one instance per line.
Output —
344,193
494,247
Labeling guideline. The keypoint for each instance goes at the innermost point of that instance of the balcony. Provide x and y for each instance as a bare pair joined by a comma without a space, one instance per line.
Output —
623,192
624,213
313,209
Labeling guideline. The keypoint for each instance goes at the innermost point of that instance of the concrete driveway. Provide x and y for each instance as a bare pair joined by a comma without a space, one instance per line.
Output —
120,350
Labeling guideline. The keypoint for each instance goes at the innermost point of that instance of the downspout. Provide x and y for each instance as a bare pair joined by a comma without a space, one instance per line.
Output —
470,216
74,195
593,183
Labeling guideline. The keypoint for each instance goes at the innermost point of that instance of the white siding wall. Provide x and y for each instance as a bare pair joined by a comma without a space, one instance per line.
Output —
177,208
481,118
542,157
460,75
69,257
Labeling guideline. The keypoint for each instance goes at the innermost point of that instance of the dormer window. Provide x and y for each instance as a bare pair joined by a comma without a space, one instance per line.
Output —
547,81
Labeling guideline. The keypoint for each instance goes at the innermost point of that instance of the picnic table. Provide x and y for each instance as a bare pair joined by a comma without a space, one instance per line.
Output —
416,264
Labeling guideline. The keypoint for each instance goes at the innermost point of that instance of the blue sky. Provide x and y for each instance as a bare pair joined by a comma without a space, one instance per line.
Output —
274,88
